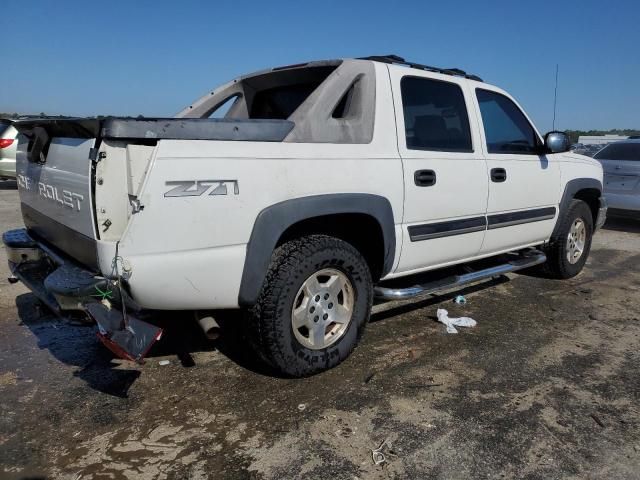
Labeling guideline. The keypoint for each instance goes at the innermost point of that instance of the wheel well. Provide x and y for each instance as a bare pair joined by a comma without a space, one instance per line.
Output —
360,230
591,196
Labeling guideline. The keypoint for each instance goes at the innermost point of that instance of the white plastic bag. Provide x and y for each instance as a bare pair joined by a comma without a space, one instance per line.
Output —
443,317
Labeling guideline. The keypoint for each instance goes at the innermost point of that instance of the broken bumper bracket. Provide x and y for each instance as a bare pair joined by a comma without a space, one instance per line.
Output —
63,285
131,340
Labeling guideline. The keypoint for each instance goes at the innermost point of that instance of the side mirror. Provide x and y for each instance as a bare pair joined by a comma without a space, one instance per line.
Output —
557,142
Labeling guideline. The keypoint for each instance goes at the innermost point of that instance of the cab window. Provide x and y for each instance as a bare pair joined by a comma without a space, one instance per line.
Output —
506,129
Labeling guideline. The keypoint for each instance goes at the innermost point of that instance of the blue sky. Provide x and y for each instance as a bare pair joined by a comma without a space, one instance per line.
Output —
154,57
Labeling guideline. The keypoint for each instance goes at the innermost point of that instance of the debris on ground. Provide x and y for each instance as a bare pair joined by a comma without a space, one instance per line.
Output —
164,362
597,420
443,317
302,407
460,300
377,454
424,385
345,432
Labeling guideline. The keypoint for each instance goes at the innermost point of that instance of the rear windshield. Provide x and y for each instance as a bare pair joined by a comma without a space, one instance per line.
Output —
619,151
3,127
273,95
281,102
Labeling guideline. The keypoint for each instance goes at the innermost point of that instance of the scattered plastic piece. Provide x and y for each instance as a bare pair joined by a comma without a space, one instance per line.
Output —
460,300
164,362
377,455
302,407
597,420
443,317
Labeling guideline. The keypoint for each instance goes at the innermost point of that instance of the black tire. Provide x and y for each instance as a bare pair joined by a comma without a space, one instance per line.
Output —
558,265
270,324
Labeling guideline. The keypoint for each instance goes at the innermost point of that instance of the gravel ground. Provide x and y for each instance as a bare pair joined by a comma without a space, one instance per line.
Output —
546,386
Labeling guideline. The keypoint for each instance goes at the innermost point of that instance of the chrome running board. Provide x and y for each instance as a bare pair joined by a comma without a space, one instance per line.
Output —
527,259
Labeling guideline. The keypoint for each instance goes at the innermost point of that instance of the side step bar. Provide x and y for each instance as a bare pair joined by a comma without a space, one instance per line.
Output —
528,259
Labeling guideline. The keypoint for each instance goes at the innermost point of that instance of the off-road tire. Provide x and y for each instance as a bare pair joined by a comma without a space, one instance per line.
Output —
557,264
270,327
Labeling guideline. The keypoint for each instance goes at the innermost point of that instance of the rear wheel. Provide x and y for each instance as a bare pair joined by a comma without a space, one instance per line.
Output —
571,244
313,307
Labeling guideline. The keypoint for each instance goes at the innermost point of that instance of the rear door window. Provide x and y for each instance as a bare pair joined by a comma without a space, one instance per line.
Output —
435,115
506,129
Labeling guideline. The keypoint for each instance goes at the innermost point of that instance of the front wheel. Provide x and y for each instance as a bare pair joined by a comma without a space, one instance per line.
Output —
571,244
314,305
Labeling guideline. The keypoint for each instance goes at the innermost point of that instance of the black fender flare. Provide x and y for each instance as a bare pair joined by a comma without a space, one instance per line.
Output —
274,220
571,188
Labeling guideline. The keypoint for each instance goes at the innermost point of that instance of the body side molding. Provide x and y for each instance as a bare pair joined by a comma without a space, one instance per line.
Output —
448,228
274,220
501,220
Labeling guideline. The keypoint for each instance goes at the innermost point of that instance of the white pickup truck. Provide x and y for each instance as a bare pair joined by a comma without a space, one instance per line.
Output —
299,194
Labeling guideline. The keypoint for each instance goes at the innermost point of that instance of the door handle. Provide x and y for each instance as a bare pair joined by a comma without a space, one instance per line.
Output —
424,178
498,175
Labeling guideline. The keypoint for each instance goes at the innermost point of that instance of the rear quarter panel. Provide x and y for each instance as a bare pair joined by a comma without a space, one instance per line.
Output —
188,252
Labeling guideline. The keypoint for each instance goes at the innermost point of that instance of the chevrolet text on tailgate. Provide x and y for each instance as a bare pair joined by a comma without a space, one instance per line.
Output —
324,185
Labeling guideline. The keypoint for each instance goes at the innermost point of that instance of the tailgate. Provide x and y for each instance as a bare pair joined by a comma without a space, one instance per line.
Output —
56,170
54,174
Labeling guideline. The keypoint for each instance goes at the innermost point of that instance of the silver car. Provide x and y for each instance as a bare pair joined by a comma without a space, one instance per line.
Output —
621,164
8,144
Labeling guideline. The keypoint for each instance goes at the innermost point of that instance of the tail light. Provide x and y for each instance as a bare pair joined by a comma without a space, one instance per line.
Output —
5,142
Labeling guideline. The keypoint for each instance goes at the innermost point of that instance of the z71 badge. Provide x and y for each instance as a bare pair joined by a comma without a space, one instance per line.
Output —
195,188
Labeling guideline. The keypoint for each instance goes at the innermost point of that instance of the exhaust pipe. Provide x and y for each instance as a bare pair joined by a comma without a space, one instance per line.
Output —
209,326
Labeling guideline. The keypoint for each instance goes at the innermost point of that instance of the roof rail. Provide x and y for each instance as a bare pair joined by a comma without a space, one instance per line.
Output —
395,59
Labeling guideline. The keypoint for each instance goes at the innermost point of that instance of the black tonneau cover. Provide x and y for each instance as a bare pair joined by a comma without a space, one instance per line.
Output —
61,127
160,128
198,129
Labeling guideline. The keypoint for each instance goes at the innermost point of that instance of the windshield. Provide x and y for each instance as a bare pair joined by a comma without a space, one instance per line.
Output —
619,151
3,127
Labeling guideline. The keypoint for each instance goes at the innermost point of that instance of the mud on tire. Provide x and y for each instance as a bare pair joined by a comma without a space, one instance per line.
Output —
270,321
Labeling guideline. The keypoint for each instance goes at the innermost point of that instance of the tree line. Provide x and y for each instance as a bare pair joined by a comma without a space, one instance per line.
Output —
627,132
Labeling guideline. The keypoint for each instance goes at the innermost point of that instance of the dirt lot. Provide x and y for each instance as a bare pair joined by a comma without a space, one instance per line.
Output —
546,386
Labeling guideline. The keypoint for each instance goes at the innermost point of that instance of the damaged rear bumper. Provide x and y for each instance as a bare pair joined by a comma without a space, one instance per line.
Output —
63,285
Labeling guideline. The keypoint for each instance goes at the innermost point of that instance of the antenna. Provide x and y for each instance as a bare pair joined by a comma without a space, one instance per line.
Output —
555,100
